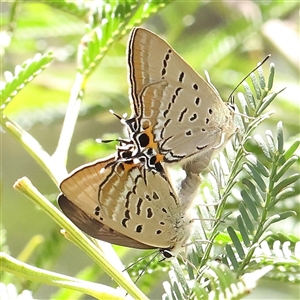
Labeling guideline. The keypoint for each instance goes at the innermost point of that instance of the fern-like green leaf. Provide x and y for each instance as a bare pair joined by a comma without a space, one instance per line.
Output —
249,96
258,165
246,218
243,231
280,139
284,194
256,176
256,195
283,255
231,256
78,9
284,183
261,78
23,75
289,152
263,146
237,244
271,77
266,102
285,167
113,24
250,203
256,87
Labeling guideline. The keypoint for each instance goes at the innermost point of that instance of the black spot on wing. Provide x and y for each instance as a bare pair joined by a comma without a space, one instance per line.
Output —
173,98
201,148
138,206
167,122
149,213
128,199
193,117
197,101
165,63
127,214
181,76
97,211
155,196
139,228
183,112
177,91
124,221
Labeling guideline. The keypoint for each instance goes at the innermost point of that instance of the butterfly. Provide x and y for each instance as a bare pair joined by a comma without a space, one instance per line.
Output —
117,200
176,115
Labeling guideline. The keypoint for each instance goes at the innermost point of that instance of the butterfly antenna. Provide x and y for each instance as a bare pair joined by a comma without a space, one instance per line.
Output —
99,141
121,118
118,116
141,258
147,265
259,65
120,140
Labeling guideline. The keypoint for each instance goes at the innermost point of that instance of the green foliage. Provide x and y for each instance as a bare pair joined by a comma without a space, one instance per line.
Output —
23,75
259,187
114,17
250,189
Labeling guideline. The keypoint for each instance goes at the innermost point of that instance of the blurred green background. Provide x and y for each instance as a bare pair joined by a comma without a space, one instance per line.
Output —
227,38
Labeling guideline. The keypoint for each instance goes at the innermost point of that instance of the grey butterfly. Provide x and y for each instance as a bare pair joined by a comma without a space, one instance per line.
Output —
177,115
118,201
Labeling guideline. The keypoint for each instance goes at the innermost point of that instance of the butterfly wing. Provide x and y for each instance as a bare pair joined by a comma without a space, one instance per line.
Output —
185,114
94,228
139,204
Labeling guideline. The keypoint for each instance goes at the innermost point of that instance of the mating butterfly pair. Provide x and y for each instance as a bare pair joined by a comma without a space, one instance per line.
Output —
128,198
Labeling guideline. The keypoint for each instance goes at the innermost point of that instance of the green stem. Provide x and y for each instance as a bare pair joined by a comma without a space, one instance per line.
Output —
21,269
61,153
31,145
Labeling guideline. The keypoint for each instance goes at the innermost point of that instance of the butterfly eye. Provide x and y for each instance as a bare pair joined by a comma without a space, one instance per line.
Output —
126,154
149,151
231,106
166,253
